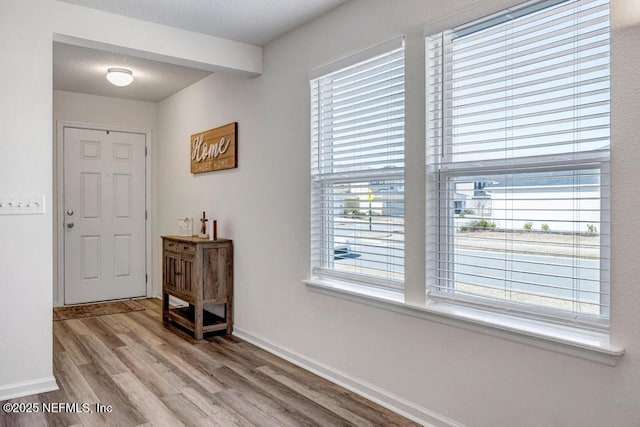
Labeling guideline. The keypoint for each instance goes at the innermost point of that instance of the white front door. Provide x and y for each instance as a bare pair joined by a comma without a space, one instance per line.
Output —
104,212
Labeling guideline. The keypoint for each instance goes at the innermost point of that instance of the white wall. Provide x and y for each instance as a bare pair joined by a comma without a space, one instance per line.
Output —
25,166
102,110
236,198
263,205
113,113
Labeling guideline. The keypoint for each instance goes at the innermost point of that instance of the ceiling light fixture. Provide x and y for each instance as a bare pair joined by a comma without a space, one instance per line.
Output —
119,76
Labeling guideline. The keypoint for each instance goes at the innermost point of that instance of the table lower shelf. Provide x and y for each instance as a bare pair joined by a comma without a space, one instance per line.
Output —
185,317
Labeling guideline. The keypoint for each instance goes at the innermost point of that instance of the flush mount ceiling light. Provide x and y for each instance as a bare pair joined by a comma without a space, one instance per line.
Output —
119,76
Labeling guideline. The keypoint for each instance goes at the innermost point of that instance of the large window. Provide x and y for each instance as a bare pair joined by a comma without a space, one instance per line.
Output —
518,163
357,168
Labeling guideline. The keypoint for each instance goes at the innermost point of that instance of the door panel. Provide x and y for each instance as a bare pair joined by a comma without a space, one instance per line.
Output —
104,205
185,284
215,271
90,195
122,255
90,257
171,271
122,195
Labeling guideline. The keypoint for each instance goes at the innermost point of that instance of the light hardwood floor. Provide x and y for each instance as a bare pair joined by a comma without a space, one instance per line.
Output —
159,376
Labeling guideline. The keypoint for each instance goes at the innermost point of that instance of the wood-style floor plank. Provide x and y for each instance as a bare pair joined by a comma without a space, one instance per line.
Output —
155,375
249,409
64,335
276,391
60,418
328,402
152,379
149,404
215,409
185,410
109,393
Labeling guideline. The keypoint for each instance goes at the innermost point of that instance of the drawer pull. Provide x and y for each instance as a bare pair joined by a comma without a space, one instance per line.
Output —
171,245
178,273
186,247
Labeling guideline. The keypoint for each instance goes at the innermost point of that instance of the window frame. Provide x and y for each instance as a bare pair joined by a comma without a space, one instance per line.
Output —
322,257
439,258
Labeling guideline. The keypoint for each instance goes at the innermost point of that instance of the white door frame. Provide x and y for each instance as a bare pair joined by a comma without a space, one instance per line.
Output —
58,214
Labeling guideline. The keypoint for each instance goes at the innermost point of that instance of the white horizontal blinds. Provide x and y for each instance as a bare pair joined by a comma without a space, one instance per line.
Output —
357,170
361,117
531,86
519,146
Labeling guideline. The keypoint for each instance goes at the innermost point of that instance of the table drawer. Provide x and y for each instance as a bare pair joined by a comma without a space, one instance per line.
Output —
180,247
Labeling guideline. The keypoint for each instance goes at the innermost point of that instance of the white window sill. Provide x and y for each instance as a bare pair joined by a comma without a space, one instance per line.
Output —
575,342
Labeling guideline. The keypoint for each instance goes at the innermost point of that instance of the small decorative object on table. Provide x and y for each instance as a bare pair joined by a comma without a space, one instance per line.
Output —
203,229
213,233
185,226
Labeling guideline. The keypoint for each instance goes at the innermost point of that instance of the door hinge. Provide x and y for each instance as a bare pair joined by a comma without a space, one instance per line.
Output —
146,216
146,278
145,151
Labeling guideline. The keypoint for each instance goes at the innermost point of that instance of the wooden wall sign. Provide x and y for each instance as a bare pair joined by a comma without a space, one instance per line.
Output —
215,149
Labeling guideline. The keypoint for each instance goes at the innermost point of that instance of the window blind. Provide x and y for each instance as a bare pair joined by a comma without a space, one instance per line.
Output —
518,162
357,169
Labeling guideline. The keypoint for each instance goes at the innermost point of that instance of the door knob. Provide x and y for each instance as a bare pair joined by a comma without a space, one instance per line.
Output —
69,212
70,225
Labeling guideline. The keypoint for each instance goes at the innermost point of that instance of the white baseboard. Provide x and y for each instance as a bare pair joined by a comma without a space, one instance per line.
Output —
27,388
382,397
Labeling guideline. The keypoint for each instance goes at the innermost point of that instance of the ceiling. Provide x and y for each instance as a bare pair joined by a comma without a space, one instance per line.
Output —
83,70
79,69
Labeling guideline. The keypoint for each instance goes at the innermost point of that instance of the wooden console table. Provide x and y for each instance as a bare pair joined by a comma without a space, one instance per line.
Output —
198,271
